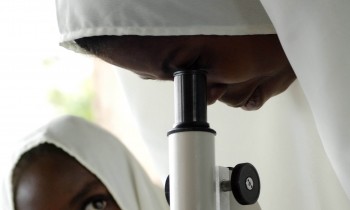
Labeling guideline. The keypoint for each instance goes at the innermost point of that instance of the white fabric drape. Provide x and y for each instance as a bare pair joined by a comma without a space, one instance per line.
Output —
316,38
84,18
102,154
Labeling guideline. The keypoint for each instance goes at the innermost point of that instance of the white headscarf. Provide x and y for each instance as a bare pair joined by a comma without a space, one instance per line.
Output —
314,34
85,18
316,38
102,154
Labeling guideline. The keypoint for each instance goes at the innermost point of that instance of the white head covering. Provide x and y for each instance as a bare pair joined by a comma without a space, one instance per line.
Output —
103,155
314,34
85,18
316,38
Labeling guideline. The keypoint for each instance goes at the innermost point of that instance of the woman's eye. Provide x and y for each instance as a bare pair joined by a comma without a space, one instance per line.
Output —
147,78
98,204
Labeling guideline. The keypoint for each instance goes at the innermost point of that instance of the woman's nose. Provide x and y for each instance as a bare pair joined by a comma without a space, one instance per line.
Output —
215,92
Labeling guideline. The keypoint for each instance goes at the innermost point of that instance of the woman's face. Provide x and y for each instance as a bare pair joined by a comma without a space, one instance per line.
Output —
243,71
59,182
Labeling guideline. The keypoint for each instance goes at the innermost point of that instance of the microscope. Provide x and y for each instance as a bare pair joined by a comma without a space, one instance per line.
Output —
195,182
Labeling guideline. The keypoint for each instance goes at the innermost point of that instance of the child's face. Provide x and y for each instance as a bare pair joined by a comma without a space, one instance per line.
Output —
243,71
59,182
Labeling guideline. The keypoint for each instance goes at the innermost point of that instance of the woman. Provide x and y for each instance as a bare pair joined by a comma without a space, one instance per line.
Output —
236,42
73,164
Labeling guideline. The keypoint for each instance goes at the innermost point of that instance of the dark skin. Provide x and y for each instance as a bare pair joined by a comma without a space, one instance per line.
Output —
59,182
243,71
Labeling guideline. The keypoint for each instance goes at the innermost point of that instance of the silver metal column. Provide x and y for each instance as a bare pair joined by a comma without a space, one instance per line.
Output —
192,171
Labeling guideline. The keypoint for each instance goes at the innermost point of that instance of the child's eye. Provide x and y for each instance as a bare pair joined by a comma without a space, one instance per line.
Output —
97,204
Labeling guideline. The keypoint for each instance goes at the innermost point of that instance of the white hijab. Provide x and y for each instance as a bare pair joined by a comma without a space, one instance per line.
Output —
84,18
102,154
314,34
316,38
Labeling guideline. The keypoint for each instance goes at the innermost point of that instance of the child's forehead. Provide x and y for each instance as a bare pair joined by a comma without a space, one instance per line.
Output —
53,178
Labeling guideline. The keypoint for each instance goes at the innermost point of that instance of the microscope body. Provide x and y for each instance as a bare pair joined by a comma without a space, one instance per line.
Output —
195,182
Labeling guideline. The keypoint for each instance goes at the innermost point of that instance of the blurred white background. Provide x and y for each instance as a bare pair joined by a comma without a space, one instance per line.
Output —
41,80
37,77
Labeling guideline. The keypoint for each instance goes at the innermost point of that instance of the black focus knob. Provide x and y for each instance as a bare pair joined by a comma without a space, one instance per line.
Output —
245,183
167,190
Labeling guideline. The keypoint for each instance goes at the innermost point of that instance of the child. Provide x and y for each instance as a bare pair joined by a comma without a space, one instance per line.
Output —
73,164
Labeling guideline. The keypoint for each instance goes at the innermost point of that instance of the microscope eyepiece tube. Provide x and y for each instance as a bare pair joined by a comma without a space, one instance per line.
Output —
190,101
191,105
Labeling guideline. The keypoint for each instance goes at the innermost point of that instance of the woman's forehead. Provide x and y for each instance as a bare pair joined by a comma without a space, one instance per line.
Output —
153,54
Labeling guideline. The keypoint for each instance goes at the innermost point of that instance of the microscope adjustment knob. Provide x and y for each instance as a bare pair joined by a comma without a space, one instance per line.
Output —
245,183
167,190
